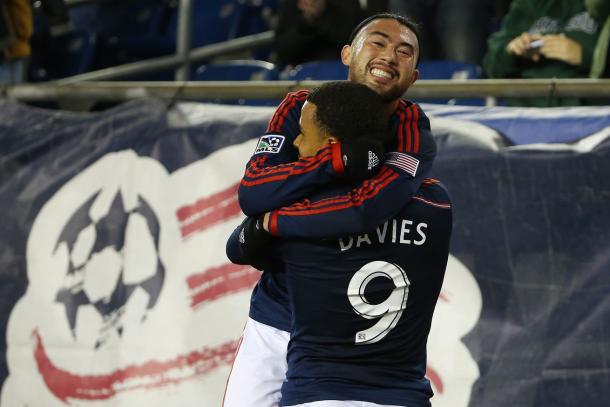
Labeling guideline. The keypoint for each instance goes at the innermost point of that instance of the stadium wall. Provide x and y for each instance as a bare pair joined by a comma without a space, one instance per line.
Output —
115,289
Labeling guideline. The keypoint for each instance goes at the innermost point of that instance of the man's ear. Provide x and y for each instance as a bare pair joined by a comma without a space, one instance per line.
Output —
346,54
415,76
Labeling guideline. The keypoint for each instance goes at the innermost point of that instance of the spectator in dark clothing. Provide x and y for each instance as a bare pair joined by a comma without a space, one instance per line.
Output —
313,30
56,15
374,6
454,30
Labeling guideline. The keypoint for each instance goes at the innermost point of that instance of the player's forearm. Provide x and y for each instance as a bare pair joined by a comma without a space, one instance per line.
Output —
355,213
264,188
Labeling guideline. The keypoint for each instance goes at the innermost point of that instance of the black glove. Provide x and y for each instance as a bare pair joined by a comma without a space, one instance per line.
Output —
253,238
362,157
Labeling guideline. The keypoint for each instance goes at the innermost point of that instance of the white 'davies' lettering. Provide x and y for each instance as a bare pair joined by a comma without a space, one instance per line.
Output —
401,232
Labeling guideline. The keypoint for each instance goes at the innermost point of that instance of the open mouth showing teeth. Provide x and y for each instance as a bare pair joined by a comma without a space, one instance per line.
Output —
381,73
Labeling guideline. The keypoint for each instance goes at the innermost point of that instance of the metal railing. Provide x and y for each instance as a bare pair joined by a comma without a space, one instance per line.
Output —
189,90
180,61
184,56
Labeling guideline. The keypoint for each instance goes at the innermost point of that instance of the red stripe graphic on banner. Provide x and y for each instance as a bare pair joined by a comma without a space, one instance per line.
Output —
65,385
217,282
209,211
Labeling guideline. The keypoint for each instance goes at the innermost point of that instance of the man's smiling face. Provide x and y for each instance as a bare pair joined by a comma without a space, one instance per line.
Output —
383,57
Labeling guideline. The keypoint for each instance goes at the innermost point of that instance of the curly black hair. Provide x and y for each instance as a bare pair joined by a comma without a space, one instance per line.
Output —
350,110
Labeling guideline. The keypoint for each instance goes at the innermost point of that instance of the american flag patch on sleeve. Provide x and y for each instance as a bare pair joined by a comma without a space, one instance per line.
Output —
403,161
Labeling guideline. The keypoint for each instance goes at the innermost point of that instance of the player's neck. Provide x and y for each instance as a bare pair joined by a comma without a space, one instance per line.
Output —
392,106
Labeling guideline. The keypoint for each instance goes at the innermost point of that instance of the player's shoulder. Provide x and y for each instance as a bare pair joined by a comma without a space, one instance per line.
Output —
298,95
288,112
433,192
408,113
406,105
293,100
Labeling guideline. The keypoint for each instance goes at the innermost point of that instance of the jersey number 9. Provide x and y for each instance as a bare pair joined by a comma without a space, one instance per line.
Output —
388,311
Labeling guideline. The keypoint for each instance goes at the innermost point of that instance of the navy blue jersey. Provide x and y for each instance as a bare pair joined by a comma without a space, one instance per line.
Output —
274,179
362,306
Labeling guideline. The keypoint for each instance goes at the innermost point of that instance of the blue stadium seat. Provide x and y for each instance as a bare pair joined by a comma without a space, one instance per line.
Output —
142,29
127,32
61,56
238,70
453,70
429,69
121,18
255,16
316,70
235,70
448,70
212,21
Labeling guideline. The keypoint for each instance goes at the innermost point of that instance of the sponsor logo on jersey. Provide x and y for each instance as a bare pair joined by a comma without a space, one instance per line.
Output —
269,144
373,160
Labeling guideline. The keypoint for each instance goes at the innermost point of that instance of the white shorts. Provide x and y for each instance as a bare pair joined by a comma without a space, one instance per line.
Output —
341,403
259,368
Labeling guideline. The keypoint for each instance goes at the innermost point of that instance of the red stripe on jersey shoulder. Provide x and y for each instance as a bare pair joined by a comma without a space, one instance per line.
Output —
400,129
436,204
415,128
276,122
408,127
409,130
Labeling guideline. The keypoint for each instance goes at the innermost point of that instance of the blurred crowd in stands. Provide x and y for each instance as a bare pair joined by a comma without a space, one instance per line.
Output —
50,39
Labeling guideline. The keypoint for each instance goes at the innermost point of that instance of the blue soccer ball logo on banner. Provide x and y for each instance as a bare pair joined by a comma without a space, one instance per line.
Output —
100,276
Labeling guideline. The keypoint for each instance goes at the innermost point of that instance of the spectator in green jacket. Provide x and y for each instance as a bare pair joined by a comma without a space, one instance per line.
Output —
600,10
543,39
